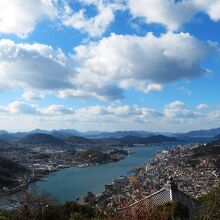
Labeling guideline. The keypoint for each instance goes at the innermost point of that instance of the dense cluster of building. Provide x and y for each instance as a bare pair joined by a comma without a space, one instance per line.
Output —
194,179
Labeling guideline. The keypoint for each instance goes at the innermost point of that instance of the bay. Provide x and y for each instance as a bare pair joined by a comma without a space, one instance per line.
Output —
71,183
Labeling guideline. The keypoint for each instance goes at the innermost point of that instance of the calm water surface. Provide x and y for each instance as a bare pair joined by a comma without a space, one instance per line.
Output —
71,183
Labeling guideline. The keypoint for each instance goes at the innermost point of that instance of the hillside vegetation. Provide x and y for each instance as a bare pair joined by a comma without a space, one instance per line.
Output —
9,172
40,138
210,151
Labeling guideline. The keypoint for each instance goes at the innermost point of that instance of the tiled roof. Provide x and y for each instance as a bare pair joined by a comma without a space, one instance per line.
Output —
160,197
169,193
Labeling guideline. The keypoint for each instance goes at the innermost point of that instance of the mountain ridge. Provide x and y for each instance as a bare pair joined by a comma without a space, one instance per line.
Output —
197,135
41,138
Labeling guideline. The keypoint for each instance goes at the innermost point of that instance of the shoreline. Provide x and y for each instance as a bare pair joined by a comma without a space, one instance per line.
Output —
10,191
152,175
128,175
105,174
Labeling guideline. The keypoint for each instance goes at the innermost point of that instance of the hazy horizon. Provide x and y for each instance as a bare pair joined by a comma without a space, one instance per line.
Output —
102,131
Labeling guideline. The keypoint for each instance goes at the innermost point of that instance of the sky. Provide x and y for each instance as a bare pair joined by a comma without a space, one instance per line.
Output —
110,65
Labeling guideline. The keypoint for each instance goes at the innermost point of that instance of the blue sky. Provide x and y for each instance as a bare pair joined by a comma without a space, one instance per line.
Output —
109,64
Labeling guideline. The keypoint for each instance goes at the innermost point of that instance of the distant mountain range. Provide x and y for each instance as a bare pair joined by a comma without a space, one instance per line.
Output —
203,133
65,134
47,139
62,133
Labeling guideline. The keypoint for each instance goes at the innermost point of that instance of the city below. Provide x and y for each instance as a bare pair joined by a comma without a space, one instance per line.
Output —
30,157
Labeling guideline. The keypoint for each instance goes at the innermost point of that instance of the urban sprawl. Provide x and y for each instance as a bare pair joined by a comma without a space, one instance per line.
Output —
194,177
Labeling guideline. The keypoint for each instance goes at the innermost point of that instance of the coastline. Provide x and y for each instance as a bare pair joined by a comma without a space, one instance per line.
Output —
152,175
124,179
42,176
72,183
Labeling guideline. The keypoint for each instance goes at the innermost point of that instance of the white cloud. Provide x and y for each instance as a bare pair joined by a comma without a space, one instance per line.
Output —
22,108
40,68
178,110
211,7
33,66
118,112
104,69
165,12
173,14
175,116
140,85
96,25
19,17
26,108
91,90
57,110
31,95
202,106
144,63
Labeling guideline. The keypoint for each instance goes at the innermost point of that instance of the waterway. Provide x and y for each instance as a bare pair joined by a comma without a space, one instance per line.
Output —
71,183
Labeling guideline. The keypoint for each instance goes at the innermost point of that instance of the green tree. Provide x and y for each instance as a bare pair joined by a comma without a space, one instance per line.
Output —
210,206
3,215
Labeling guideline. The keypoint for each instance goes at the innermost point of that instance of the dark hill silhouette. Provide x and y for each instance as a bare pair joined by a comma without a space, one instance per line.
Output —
9,171
4,144
147,140
204,133
217,137
40,138
80,140
211,149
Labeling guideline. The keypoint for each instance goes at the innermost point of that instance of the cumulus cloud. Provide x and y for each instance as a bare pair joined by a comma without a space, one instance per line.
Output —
202,106
165,12
35,66
211,7
144,63
176,116
104,69
173,14
92,91
43,68
26,108
92,114
94,17
178,110
18,107
57,110
31,95
22,108
19,17
95,25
